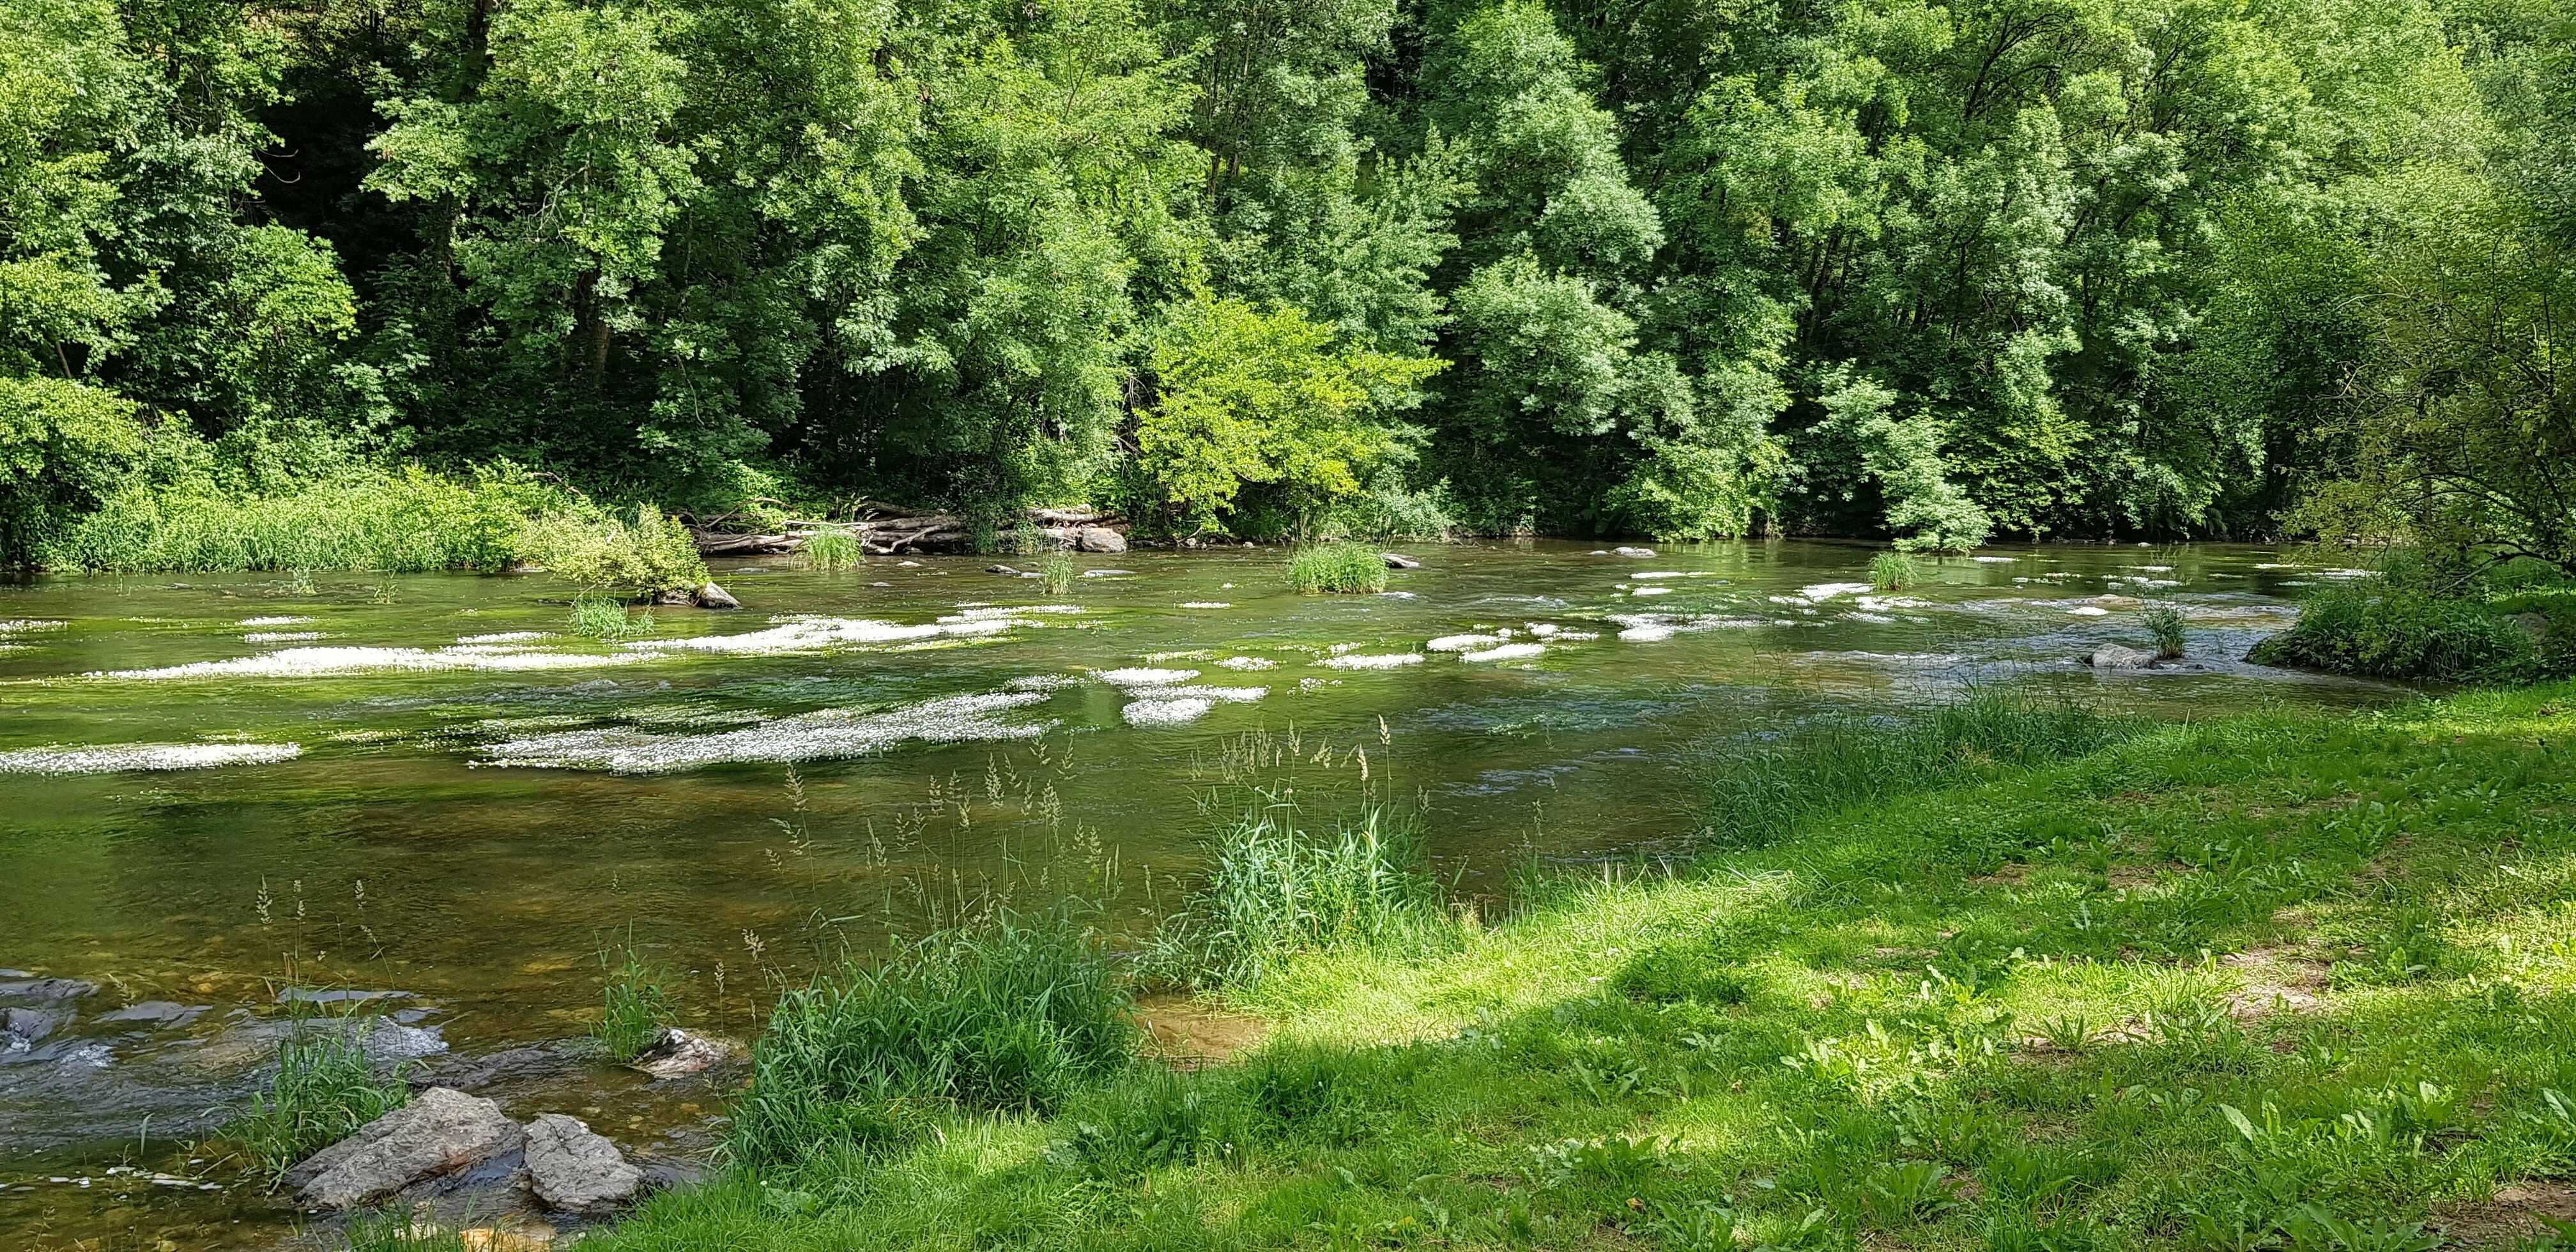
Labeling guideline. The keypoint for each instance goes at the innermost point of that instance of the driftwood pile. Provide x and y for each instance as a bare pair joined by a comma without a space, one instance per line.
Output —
885,532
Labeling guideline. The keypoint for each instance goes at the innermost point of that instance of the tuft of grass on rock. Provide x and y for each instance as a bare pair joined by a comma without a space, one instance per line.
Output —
604,617
833,549
1056,573
1341,566
636,1005
1894,571
2164,624
323,1088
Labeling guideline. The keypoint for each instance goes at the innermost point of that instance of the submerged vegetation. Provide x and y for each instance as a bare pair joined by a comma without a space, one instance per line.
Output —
1345,566
2280,981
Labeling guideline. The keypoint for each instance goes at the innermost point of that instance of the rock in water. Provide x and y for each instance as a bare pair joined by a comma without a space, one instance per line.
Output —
440,1133
1399,561
2115,656
1003,570
1632,551
678,1053
712,596
572,1168
1100,539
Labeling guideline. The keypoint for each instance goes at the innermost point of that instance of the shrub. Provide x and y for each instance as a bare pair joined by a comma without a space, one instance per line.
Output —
636,1009
1758,789
995,1014
833,549
2164,624
605,552
2385,627
1275,888
64,449
1893,571
324,1089
1056,573
1342,567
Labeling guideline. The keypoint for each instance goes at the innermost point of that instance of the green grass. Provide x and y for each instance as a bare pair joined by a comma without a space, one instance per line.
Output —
1276,887
833,549
1056,573
1894,571
1003,1013
1757,787
322,1088
392,1232
635,1006
605,617
1339,567
2165,625
2289,981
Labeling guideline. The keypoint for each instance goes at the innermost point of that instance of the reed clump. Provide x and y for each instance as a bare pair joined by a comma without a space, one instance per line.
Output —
1756,790
1002,1012
604,617
1344,567
1277,886
324,1088
833,548
1056,573
1894,571
636,1004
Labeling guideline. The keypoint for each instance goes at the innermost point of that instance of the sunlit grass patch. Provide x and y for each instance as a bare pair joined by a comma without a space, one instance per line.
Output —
1337,567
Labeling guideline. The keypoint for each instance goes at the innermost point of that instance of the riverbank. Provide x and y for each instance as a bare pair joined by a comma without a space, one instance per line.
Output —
2283,979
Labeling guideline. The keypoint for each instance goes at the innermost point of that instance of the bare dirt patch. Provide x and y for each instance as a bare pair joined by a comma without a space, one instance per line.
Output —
2276,980
1189,1033
2512,1215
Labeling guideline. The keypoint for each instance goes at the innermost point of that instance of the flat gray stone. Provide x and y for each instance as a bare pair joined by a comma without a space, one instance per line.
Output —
1100,539
575,1170
47,988
712,596
1397,560
1632,551
2117,656
678,1053
442,1132
159,1012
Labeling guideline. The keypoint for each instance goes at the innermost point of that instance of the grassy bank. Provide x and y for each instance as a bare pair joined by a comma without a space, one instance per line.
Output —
2282,980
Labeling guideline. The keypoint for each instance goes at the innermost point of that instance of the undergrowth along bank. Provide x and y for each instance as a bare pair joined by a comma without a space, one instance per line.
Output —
2288,981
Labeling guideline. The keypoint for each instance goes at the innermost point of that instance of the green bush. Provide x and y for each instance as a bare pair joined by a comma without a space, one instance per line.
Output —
605,552
1275,888
2165,625
1342,567
997,1014
65,447
2398,626
1757,789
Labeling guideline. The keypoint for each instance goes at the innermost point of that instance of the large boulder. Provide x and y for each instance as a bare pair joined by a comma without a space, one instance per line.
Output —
1100,539
441,1133
2118,656
712,596
1397,560
575,1170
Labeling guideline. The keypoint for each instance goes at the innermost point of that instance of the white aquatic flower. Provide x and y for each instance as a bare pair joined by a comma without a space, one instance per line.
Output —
1205,604
1655,632
1827,591
338,662
281,636
275,621
1249,662
1385,660
1652,591
1462,643
2089,610
144,756
1507,652
1993,560
1165,712
508,636
1571,635
825,733
1542,629
1146,677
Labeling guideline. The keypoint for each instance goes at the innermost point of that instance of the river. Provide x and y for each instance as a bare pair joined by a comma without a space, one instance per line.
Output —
213,786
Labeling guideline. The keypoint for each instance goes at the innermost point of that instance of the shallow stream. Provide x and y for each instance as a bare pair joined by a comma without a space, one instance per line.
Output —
213,786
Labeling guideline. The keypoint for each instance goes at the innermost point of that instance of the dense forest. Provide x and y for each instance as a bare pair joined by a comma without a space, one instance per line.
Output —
1936,271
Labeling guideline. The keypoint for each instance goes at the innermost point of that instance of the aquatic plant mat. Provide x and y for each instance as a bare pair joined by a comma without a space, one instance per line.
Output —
2289,980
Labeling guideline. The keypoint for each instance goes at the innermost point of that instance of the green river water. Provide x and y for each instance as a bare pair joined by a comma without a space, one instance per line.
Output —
213,785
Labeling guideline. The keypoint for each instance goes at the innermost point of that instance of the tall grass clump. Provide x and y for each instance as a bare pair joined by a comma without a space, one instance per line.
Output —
605,617
2164,624
1002,1013
324,1088
1894,571
1276,887
832,548
1056,573
635,1006
1341,566
1756,790
404,522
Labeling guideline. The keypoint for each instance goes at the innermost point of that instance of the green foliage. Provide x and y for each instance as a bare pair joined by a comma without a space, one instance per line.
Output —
395,1232
1894,571
635,1006
1275,887
605,552
2165,625
2403,627
1002,1013
1250,398
323,1088
1758,789
833,549
65,447
1056,573
607,617
408,521
1354,568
